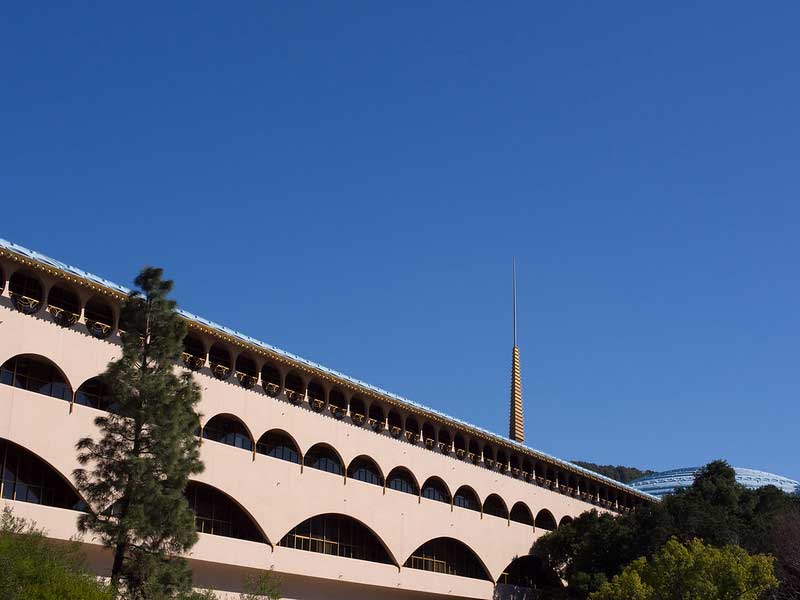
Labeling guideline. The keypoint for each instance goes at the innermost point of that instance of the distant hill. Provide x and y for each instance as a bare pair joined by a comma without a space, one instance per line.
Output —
620,473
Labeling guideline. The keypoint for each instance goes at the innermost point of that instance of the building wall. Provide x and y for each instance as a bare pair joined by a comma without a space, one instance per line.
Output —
278,494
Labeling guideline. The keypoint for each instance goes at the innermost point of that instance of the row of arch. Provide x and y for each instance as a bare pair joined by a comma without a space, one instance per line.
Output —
67,307
28,478
38,375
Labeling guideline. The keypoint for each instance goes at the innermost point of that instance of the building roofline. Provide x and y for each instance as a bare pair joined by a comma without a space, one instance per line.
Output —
101,285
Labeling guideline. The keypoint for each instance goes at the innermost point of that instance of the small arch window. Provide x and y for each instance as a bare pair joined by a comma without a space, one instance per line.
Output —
364,469
429,436
400,479
216,514
395,422
37,375
377,418
228,430
545,520
495,506
271,379
246,371
316,396
412,430
324,458
474,452
26,292
521,514
280,445
358,411
220,360
295,390
194,353
96,393
467,498
444,442
64,306
337,404
435,489
98,317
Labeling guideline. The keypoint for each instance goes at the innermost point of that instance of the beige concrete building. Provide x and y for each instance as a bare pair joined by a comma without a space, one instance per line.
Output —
345,490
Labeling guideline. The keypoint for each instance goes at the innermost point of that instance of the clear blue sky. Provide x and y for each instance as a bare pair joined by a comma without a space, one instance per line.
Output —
349,181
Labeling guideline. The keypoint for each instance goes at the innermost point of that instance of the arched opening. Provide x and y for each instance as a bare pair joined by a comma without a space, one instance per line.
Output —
444,441
2,280
488,457
358,410
395,422
96,393
295,389
64,305
402,480
227,429
527,469
35,374
429,435
216,513
467,498
412,430
316,395
246,371
337,403
377,418
26,292
448,556
27,478
436,489
529,572
520,513
513,465
502,461
495,506
324,458
194,353
337,535
474,451
99,317
363,468
565,520
545,520
460,446
271,379
220,361
278,444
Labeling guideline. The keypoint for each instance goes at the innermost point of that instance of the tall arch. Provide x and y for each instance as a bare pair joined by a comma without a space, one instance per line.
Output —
465,497
28,478
494,505
279,444
545,520
228,429
325,458
96,393
37,374
449,556
363,468
520,513
436,489
338,535
217,513
402,480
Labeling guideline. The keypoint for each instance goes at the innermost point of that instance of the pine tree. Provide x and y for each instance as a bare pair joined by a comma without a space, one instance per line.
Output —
137,471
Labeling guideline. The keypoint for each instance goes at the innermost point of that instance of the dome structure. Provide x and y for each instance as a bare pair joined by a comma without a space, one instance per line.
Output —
667,482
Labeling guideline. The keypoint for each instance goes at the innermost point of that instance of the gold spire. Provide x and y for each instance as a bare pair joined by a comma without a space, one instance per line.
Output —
516,427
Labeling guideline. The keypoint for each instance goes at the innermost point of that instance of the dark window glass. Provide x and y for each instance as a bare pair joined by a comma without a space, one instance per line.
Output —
97,394
226,430
495,506
26,478
447,556
545,520
99,317
521,514
435,490
26,292
323,458
217,514
35,375
278,445
64,305
466,498
337,535
365,470
401,480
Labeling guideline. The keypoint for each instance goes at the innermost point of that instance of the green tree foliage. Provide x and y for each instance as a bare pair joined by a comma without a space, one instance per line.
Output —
694,571
264,586
595,547
619,473
35,568
137,471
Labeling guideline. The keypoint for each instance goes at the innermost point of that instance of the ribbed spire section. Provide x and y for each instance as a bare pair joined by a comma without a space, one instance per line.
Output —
516,427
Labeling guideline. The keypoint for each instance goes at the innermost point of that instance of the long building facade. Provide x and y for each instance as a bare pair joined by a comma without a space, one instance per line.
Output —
343,489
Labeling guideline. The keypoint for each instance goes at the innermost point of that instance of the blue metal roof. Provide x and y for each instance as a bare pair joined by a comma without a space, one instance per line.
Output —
32,254
667,482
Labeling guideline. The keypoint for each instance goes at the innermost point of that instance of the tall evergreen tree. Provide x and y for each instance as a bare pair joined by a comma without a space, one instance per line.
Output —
137,471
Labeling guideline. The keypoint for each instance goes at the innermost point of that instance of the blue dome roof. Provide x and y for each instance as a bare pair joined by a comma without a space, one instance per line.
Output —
666,482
